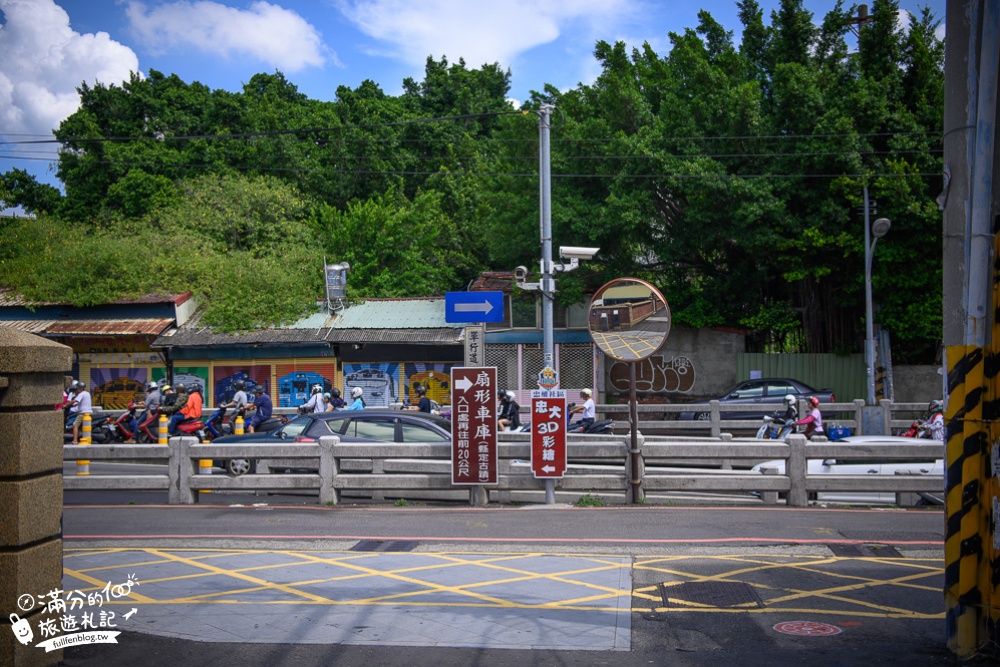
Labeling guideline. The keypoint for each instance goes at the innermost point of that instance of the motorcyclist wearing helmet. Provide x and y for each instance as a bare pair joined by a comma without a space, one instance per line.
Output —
510,412
240,399
935,422
79,405
148,404
791,411
814,420
316,402
262,407
587,411
187,407
423,403
334,401
358,402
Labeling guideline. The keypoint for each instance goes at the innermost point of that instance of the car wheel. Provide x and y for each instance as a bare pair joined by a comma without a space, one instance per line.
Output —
703,416
238,467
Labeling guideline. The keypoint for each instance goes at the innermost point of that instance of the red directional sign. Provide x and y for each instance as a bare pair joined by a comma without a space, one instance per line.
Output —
548,432
474,425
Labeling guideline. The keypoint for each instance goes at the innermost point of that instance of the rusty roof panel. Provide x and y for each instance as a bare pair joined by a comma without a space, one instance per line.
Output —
138,327
8,297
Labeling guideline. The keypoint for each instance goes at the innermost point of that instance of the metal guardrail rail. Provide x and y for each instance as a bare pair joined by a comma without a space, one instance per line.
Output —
598,464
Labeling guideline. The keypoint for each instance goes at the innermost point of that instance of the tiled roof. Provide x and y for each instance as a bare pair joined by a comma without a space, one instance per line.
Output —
8,297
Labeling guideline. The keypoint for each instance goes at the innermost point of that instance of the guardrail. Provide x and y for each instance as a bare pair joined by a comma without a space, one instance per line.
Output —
598,464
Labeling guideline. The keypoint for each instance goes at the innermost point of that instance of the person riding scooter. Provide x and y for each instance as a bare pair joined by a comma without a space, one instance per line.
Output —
814,420
187,407
316,402
150,403
587,411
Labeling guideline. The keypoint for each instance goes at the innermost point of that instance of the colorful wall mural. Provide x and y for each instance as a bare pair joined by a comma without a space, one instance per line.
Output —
113,388
251,375
380,383
436,378
295,381
190,376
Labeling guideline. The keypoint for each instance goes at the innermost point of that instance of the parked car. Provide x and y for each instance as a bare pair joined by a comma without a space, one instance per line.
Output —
875,466
768,393
350,425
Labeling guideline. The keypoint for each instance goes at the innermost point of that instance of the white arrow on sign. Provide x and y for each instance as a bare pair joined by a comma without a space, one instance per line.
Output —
483,307
463,384
549,469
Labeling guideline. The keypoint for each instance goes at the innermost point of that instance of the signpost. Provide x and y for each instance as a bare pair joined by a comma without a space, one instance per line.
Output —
474,456
462,307
548,433
475,345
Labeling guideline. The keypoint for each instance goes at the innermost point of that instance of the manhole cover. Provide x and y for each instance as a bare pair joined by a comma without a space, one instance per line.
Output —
808,629
864,551
384,545
711,593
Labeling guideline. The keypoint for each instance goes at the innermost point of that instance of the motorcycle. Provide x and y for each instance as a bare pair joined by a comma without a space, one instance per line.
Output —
773,429
599,426
100,429
217,425
918,429
121,428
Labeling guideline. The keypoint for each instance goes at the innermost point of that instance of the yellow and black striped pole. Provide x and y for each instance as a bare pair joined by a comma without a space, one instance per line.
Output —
83,465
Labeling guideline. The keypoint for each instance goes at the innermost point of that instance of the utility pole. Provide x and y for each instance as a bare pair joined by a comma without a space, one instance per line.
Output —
548,286
971,335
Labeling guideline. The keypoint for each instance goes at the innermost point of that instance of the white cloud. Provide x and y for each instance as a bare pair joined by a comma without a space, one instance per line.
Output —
271,34
42,61
479,32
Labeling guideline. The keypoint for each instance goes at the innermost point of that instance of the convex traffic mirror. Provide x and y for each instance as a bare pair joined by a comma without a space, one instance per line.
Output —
629,319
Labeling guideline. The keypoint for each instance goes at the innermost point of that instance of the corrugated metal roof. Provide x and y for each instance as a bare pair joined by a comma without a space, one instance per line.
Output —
420,321
394,314
8,297
137,327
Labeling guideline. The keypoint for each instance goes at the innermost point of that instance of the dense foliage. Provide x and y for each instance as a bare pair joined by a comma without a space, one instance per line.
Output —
730,175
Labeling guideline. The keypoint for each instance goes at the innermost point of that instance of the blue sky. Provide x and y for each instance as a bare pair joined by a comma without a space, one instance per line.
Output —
47,47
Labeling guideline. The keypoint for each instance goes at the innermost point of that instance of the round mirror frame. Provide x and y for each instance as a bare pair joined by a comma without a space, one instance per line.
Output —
633,327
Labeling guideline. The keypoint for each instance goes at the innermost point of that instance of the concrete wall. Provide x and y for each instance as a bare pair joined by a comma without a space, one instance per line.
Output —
32,372
917,384
692,364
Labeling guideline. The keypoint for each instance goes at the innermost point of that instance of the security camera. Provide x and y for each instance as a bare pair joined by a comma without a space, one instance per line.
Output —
521,274
576,252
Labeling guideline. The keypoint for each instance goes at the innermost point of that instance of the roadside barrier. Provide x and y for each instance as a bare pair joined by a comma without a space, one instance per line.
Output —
598,464
161,434
83,465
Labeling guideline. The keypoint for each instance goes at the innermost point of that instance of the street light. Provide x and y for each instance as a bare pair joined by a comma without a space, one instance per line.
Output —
877,229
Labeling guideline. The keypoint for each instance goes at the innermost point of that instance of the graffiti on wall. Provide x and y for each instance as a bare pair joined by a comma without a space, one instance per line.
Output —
654,374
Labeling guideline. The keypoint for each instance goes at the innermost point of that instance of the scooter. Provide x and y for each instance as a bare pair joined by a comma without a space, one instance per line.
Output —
599,426
217,425
773,429
100,429
121,428
918,429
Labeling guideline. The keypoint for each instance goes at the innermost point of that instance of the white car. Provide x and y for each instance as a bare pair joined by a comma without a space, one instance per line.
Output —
866,467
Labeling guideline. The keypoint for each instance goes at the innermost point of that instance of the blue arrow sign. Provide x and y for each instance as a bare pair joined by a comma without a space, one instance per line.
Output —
467,307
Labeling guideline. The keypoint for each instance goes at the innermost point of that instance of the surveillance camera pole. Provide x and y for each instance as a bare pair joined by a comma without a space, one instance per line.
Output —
547,287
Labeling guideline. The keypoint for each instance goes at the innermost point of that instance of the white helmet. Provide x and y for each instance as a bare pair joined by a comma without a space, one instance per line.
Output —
789,399
586,392
356,392
317,389
151,386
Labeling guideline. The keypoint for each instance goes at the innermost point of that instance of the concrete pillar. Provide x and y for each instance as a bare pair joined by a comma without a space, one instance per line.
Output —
32,371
